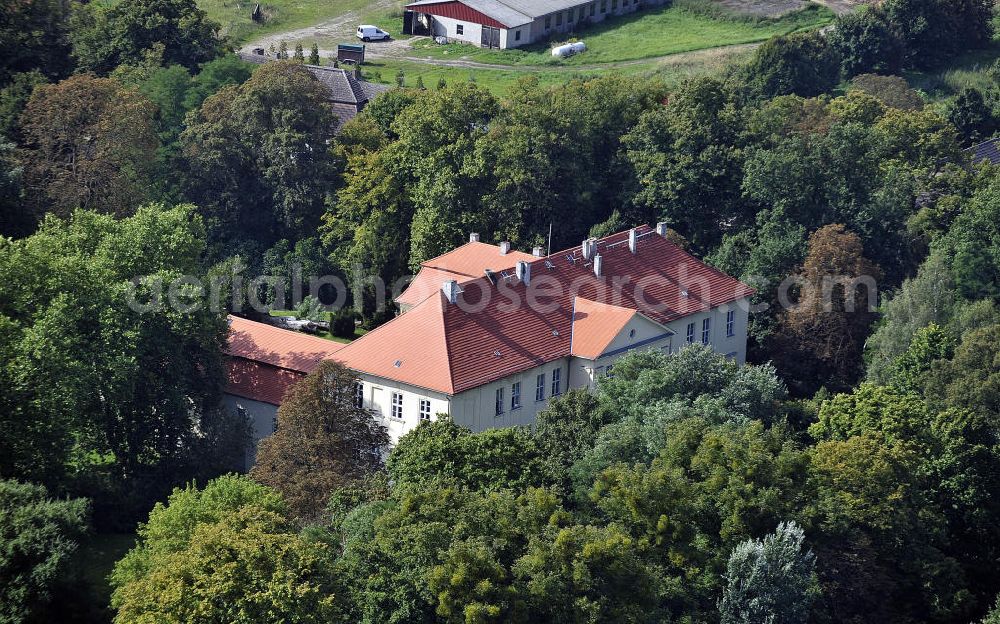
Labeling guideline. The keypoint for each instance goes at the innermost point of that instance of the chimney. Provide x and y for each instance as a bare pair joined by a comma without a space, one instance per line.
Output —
598,265
523,271
633,240
450,290
474,237
504,248
661,228
587,248
537,251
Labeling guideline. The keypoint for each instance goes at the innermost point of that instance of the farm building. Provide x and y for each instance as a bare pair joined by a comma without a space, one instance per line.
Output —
462,347
349,93
510,23
986,152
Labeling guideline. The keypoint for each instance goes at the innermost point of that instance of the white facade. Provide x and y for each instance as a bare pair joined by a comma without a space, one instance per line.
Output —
262,417
477,408
458,30
544,27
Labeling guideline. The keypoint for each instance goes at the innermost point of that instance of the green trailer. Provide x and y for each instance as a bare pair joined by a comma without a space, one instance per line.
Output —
351,53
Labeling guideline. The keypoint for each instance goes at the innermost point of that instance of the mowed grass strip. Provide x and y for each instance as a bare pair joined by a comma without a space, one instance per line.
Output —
647,34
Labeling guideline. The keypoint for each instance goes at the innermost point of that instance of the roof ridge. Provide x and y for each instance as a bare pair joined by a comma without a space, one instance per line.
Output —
447,344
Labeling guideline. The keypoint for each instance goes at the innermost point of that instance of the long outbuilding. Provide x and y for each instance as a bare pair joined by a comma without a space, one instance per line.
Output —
510,23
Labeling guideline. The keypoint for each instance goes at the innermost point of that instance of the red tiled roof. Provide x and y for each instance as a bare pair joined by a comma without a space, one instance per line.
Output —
279,347
486,339
595,325
410,348
265,361
460,264
259,381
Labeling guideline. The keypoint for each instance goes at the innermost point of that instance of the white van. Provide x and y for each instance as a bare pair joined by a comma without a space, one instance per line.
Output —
367,32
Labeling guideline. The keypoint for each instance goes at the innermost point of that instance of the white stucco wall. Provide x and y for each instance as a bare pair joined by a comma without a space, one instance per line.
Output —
378,398
734,346
476,408
262,417
448,27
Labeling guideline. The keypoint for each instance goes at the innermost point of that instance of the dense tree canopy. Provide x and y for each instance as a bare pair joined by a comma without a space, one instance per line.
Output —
39,535
88,142
131,381
226,553
259,165
106,35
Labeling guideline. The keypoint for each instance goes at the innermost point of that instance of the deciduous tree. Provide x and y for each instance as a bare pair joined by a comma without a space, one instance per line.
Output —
88,142
770,580
225,553
323,441
819,340
260,166
108,35
38,535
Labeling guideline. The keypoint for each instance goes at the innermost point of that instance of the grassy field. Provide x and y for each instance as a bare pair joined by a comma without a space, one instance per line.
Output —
647,34
968,70
280,15
500,81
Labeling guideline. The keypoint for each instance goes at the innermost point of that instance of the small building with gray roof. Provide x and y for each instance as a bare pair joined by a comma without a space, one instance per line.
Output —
506,24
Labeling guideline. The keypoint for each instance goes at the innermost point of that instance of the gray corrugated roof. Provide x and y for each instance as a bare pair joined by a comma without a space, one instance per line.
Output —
988,151
538,8
512,13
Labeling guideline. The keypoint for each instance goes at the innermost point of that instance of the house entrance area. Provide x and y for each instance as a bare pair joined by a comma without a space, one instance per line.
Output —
491,37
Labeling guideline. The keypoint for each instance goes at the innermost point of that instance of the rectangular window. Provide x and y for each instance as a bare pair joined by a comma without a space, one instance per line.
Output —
604,6
515,396
540,387
517,35
425,409
499,401
558,18
274,423
557,382
397,405
548,21
706,330
614,5
460,29
607,371
731,323
593,8
569,16
690,333
359,394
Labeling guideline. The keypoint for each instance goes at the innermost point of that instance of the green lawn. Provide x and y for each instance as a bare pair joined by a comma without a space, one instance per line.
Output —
968,70
358,332
651,33
500,81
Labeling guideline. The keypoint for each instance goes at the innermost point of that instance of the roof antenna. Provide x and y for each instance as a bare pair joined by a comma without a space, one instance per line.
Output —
548,250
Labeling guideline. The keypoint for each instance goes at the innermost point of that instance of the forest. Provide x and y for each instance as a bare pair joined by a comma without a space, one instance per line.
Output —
849,473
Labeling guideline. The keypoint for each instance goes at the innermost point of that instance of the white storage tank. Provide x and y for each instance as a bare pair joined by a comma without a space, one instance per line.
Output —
568,49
